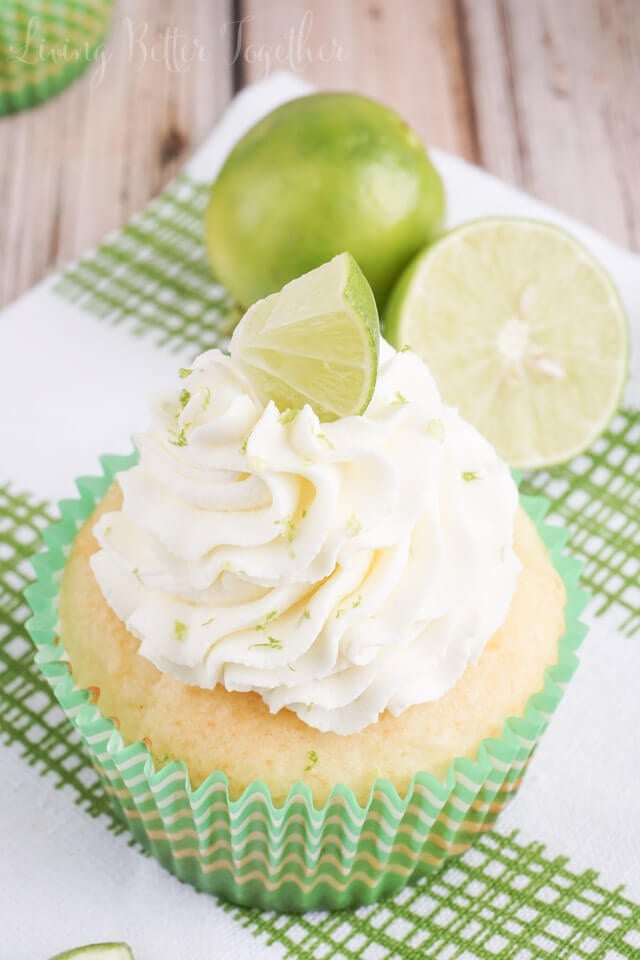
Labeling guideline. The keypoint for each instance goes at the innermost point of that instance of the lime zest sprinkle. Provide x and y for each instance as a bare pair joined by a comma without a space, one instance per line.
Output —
404,348
399,398
107,530
469,475
207,622
136,573
243,448
435,429
228,567
356,603
256,464
270,617
325,439
305,615
185,396
271,642
288,416
310,706
207,397
178,438
180,630
340,613
353,524
184,372
288,525
312,757
304,513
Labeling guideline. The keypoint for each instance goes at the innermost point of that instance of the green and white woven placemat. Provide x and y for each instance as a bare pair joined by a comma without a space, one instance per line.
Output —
559,878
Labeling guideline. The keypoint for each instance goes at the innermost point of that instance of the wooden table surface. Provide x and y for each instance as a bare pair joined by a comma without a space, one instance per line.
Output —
544,93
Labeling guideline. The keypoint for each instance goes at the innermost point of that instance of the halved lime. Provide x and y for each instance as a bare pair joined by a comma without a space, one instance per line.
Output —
97,951
316,342
523,331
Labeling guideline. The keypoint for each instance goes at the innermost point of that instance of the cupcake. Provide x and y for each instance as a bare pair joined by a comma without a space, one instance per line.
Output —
45,44
309,660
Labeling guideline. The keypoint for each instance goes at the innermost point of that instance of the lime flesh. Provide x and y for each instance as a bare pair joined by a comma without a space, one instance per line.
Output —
97,951
321,174
523,331
315,342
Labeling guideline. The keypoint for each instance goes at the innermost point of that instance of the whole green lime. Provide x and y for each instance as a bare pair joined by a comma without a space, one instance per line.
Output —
320,175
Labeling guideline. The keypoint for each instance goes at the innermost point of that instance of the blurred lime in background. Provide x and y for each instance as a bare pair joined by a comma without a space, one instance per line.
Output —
320,175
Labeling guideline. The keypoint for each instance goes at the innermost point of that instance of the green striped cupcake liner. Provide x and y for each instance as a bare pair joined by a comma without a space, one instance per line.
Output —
45,44
294,857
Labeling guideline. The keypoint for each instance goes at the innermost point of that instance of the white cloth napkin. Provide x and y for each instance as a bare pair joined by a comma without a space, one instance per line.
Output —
73,387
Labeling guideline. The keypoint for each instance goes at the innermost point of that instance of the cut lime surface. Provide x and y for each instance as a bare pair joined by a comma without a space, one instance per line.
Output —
315,342
97,951
523,331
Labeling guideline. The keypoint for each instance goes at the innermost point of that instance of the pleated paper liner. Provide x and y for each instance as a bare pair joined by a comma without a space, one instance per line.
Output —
294,857
45,45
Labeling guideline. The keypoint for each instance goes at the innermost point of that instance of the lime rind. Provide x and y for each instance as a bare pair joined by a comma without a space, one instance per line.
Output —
97,951
360,295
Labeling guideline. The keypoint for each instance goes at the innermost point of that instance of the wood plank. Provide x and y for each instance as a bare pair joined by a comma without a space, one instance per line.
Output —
409,55
556,89
84,162
540,92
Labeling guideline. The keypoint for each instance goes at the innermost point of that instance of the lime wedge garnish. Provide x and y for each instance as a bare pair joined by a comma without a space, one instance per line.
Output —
315,342
97,951
523,331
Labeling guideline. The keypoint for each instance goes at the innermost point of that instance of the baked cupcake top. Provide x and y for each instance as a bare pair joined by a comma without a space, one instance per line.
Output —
337,569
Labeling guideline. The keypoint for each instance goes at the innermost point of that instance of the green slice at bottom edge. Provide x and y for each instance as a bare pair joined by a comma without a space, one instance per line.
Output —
97,951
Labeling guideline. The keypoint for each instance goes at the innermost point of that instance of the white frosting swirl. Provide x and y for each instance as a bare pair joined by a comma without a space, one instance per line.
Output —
337,569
